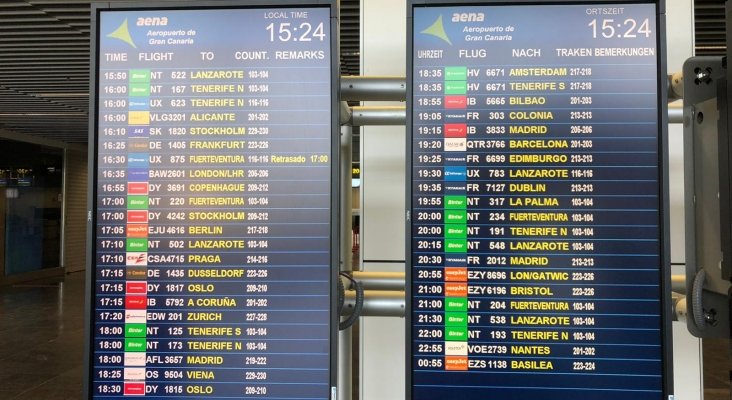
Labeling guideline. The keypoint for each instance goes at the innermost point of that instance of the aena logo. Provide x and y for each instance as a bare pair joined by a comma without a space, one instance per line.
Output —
152,21
437,29
123,33
468,17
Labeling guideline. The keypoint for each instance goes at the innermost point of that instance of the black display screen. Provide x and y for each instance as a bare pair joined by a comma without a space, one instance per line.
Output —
536,220
212,221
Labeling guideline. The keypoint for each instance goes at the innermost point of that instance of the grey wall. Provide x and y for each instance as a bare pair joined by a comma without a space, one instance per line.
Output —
74,251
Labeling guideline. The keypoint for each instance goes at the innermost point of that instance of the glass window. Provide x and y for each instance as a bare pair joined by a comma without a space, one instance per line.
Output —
31,180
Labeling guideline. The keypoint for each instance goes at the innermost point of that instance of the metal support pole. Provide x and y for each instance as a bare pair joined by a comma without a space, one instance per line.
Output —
394,88
345,114
389,302
675,115
393,281
373,88
678,283
377,303
388,115
345,337
346,198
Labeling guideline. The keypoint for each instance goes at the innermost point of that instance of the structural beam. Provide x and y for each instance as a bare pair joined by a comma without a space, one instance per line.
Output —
373,88
377,303
345,337
380,280
387,115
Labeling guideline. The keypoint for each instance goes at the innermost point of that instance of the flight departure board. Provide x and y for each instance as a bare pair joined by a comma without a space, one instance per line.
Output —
538,263
212,210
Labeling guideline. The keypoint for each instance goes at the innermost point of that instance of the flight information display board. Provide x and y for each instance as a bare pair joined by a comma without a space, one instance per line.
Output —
213,202
538,263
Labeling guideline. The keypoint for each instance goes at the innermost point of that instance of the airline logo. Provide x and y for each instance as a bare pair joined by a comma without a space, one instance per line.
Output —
456,304
456,130
456,231
136,244
134,359
135,331
135,302
138,132
135,317
456,102
456,245
456,144
456,87
136,259
139,117
136,287
456,289
138,188
138,174
456,274
138,144
140,75
456,74
136,273
134,374
139,90
137,202
456,261
455,159
137,216
134,389
456,325
455,188
456,363
455,116
455,217
135,344
136,230
455,173
138,160
141,104
456,202
454,349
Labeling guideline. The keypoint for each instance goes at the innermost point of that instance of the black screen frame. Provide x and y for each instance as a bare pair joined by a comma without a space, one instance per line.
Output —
663,180
92,164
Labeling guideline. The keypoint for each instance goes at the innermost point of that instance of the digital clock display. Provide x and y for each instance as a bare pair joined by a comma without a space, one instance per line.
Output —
536,254
303,32
623,29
